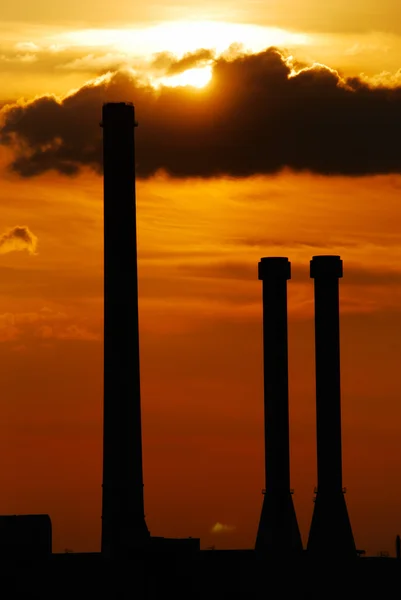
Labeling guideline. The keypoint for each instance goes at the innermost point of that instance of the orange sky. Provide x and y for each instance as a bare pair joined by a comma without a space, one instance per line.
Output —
199,242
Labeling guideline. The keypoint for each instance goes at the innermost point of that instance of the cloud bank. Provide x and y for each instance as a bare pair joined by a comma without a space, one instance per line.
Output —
261,113
18,238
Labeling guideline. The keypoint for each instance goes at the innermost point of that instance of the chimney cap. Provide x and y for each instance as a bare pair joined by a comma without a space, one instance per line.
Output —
114,105
118,113
326,266
274,267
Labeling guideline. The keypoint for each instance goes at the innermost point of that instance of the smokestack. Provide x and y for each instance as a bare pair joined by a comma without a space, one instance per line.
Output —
123,520
330,530
278,532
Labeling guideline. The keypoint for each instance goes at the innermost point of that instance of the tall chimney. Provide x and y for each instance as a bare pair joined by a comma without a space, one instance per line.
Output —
278,532
330,531
123,520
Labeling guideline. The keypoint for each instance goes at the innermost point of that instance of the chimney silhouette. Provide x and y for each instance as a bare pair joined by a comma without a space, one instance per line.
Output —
123,521
330,530
278,532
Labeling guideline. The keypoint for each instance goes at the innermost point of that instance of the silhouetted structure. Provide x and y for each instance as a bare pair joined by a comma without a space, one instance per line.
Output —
123,521
330,531
175,567
278,532
398,547
25,537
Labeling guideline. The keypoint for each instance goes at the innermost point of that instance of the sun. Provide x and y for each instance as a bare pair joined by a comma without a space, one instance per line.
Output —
198,77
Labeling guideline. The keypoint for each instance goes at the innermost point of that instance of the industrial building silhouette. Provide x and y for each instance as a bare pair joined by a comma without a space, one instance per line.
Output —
330,517
278,531
131,560
123,514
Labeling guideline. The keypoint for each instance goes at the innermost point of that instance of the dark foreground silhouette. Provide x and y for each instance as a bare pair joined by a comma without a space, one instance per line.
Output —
204,575
134,564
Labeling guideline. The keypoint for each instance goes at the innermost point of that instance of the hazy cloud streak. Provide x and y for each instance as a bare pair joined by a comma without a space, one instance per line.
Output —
45,324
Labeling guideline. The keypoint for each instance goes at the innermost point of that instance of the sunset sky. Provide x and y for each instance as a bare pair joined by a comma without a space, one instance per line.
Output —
266,128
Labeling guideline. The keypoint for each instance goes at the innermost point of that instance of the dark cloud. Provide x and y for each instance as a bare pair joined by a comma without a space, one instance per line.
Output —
256,117
169,63
18,238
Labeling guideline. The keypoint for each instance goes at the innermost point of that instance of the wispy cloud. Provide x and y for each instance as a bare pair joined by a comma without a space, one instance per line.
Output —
45,324
221,528
18,238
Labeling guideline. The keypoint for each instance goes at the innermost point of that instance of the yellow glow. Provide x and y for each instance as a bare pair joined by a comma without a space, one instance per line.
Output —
198,77
182,36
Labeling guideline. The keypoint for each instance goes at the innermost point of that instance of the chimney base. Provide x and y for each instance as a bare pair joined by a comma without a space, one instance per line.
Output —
331,533
278,532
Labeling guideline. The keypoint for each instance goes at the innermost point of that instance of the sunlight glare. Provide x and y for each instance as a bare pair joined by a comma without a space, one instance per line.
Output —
197,77
184,36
